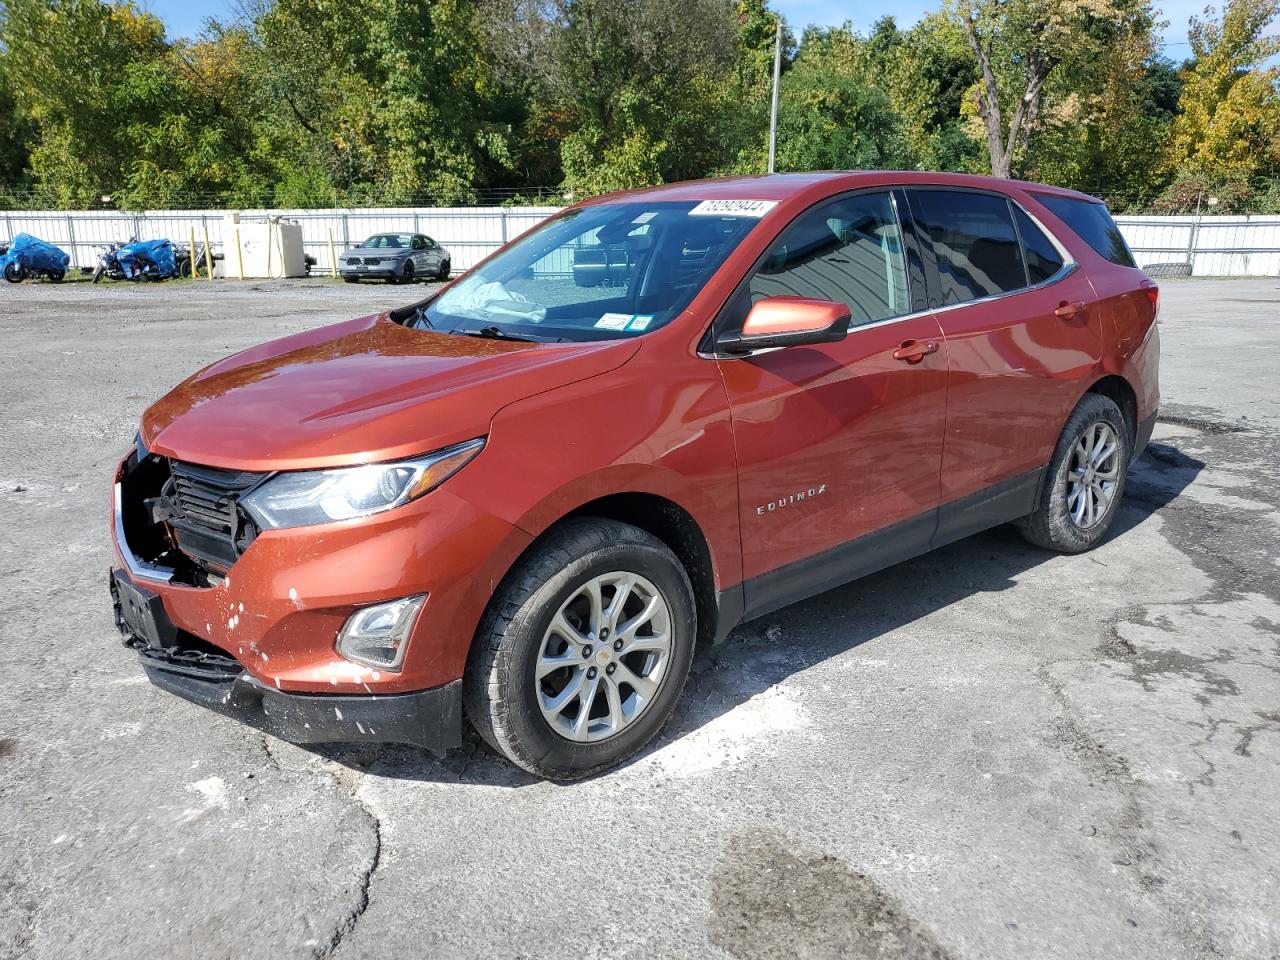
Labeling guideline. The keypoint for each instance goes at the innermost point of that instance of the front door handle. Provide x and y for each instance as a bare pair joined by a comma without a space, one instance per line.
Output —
1068,310
913,351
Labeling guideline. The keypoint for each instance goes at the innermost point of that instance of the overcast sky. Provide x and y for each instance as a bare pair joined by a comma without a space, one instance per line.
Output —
184,17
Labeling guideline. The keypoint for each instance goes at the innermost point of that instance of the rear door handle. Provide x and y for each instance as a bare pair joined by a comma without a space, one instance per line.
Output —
1068,310
913,351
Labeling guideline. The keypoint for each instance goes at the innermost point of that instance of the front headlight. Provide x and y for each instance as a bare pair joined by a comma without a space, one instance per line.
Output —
322,496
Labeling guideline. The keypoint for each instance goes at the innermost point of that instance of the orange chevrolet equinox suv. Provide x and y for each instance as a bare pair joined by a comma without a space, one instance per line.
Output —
521,502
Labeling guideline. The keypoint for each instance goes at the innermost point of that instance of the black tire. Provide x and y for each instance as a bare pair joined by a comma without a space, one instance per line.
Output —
97,273
57,276
14,272
407,275
499,690
1051,526
443,273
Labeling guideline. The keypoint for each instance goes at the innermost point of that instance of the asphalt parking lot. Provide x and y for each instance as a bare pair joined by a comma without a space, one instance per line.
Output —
989,752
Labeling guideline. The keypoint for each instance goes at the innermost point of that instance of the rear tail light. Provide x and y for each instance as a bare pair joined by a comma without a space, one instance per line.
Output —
1153,295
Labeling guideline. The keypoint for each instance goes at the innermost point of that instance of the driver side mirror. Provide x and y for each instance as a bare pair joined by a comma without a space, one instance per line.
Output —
787,322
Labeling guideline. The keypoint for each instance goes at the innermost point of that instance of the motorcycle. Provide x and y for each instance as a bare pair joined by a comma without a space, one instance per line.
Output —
28,256
141,260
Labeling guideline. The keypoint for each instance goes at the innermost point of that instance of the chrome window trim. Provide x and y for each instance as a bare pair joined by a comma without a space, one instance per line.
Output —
1066,271
1069,266
139,569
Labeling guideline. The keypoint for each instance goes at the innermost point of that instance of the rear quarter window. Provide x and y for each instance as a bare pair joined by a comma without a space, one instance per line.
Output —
1091,221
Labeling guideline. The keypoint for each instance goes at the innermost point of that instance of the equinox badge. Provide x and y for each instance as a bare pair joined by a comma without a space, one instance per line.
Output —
809,494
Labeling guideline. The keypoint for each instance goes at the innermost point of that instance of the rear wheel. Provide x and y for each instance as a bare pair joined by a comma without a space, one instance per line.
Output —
14,272
57,275
1085,479
584,650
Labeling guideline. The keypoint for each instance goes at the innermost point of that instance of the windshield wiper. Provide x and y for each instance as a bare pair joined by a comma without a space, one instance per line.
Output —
493,333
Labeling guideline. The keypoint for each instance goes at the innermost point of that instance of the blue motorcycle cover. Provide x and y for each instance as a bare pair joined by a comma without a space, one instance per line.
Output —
158,252
34,254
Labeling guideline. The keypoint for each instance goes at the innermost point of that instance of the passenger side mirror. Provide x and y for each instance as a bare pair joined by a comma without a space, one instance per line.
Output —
787,322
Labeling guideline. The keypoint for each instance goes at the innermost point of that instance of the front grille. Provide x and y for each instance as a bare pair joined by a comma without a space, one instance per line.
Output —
354,261
207,522
192,657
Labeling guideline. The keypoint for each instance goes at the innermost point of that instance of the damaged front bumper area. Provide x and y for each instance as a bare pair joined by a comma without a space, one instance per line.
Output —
172,602
195,670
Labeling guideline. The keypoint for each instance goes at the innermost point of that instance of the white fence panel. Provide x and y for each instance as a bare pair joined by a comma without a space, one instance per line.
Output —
1213,246
470,233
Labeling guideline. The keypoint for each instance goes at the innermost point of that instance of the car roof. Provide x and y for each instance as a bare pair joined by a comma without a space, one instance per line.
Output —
785,186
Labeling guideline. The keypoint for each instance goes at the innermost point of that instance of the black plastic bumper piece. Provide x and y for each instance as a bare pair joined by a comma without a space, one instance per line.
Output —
426,718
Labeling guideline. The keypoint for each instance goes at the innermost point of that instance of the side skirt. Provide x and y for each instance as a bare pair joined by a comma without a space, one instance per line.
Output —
1000,503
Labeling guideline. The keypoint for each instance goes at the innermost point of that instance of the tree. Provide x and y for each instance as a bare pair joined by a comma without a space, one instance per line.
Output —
1102,115
81,145
833,113
1017,45
1229,111
390,102
928,74
640,85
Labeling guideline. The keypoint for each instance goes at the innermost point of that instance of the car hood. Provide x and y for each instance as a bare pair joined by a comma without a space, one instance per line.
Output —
358,392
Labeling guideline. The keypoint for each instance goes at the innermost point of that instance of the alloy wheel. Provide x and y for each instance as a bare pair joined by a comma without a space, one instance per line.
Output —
1093,475
604,657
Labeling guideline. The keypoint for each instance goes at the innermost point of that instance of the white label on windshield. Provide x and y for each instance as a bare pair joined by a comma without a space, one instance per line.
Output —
641,322
614,321
646,216
733,208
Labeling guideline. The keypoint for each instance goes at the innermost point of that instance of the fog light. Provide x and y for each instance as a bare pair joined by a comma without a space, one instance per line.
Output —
377,635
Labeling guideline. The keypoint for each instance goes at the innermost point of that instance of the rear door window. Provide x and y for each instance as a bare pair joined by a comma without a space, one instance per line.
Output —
974,243
1091,220
1043,258
847,250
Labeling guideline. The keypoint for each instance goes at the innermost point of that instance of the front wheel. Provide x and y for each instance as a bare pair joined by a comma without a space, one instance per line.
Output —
584,650
13,272
443,273
98,271
1085,479
407,275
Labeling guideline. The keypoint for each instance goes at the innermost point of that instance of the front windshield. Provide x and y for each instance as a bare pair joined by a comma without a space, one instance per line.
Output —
388,241
611,270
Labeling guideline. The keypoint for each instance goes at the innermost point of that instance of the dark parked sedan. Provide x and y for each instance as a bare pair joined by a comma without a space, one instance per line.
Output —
395,258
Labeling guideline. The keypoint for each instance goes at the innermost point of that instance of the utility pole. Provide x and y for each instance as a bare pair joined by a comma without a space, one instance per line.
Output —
773,112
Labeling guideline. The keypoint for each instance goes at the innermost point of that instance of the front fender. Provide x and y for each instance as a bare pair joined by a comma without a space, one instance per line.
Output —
646,427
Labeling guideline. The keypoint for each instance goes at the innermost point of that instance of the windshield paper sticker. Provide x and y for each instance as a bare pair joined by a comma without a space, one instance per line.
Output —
614,321
646,216
641,322
733,208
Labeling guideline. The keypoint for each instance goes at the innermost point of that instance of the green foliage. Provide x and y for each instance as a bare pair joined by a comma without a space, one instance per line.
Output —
1230,106
834,115
324,102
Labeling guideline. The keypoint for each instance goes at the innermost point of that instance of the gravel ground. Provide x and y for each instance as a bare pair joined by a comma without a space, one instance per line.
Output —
988,752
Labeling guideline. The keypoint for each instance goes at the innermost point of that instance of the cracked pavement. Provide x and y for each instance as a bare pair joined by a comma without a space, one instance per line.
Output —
987,752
